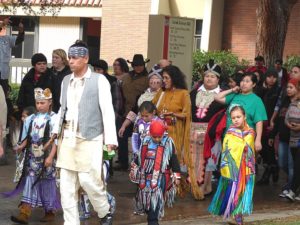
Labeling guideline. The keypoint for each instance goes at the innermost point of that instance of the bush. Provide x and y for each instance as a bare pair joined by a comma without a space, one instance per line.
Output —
13,94
227,61
291,61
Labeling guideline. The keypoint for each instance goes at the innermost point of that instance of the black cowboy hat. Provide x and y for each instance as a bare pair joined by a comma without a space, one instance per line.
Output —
138,60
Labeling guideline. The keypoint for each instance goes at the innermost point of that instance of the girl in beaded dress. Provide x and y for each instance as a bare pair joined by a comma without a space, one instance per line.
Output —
39,172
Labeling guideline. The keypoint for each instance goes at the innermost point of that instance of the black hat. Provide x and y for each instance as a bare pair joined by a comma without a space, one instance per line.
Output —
100,63
259,58
278,61
271,72
138,60
38,57
213,68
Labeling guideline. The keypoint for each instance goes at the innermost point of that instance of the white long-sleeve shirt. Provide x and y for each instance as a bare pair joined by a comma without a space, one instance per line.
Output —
105,103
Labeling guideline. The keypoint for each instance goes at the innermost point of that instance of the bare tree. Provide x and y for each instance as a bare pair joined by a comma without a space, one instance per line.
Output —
272,23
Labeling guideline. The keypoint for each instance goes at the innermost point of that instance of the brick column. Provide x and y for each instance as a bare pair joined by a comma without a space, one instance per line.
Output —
124,29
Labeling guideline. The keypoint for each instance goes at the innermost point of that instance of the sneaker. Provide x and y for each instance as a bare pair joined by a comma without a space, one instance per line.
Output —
107,220
297,198
139,212
283,194
290,195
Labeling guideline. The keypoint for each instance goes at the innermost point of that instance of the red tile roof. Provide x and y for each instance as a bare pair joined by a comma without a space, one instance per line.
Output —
94,3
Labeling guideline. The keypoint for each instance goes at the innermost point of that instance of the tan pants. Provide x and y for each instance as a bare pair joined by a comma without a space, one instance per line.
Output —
70,181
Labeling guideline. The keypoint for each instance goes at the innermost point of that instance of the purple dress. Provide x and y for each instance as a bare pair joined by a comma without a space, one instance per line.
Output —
40,188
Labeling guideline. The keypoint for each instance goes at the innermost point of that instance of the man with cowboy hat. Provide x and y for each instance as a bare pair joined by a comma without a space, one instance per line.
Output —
133,85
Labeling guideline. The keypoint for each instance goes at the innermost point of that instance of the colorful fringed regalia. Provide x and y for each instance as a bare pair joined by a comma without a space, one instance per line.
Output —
140,130
235,189
152,173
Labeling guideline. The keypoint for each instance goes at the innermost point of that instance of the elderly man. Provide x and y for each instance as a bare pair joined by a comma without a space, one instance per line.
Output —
86,108
7,42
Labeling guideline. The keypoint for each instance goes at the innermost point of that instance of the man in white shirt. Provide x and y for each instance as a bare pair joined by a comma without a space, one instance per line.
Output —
86,108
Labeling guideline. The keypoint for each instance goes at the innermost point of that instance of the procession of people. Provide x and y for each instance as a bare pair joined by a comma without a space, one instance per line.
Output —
77,116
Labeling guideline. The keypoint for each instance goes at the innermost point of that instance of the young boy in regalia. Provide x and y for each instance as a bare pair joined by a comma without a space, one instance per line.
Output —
157,171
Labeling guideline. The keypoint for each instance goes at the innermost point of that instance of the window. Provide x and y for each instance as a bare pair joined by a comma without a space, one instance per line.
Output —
198,34
91,35
26,49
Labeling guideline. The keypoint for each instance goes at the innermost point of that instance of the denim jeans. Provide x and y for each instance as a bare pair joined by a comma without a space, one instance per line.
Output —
285,161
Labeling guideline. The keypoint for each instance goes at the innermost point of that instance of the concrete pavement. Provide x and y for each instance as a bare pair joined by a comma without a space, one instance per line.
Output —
267,204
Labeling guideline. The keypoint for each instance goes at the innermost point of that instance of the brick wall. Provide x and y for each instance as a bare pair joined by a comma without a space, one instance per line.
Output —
239,29
124,30
292,41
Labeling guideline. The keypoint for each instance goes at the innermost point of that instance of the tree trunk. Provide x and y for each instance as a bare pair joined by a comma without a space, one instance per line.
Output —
272,23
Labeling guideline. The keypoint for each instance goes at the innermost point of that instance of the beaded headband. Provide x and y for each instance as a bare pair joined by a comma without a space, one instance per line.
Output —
78,51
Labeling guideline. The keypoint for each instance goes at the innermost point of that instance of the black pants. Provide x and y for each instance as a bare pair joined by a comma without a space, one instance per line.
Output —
123,145
296,177
5,86
268,152
152,216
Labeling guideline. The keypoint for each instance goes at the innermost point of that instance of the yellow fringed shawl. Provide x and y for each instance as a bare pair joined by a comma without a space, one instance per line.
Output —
178,101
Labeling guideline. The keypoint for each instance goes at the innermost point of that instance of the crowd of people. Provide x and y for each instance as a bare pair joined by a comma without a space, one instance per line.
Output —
181,140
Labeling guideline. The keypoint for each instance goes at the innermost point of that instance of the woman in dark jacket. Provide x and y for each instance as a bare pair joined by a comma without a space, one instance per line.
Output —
38,76
60,68
269,92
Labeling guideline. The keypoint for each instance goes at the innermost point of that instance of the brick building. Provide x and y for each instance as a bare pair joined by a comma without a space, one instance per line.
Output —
119,28
239,29
229,25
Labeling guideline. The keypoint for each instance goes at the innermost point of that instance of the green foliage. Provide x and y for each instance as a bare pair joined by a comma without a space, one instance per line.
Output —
13,94
291,61
226,59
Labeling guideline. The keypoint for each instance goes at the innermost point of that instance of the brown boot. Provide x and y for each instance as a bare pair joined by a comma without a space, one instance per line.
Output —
25,212
49,217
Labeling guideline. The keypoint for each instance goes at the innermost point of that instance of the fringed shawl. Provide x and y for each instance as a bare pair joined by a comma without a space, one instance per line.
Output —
235,189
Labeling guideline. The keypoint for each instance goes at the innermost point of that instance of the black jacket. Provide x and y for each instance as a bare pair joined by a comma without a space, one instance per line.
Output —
59,76
279,124
26,92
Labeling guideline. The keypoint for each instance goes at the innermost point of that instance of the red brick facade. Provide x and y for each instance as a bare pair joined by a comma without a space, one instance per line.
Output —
239,29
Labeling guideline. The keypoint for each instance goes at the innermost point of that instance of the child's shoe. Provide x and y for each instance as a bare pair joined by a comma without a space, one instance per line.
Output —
49,217
22,218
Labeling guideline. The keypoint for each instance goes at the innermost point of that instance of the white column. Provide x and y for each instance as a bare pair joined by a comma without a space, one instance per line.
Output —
206,25
154,7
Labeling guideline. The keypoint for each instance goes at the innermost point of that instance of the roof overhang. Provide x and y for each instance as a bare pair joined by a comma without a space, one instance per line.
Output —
67,8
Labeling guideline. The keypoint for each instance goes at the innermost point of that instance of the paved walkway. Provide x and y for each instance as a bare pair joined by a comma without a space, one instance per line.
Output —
209,220
267,204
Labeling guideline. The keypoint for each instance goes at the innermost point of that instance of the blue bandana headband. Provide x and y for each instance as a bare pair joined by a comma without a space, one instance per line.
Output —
78,51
